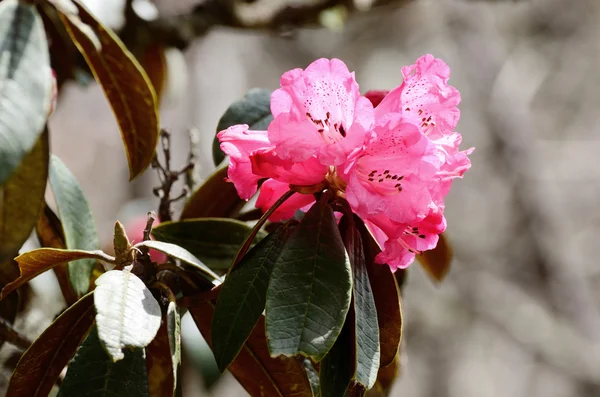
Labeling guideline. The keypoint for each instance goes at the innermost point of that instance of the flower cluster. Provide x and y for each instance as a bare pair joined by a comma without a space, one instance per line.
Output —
391,155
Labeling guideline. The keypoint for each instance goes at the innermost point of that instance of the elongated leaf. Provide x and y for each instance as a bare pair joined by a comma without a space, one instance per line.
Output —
35,262
92,373
437,261
128,315
43,362
21,199
215,241
25,83
258,372
310,288
181,254
243,296
125,84
385,379
336,368
215,198
364,326
163,355
77,222
50,234
387,299
154,62
254,109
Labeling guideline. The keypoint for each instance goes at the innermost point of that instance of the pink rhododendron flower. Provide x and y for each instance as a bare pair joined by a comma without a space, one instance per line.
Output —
392,156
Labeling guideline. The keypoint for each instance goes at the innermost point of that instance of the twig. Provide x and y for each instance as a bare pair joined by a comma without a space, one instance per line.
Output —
11,335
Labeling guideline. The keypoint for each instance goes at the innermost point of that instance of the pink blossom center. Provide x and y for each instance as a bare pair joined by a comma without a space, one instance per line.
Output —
330,132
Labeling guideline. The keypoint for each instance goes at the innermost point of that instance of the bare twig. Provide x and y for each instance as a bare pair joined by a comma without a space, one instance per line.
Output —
11,335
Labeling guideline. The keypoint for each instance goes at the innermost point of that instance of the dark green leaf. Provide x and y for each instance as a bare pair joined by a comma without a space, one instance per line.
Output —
125,84
387,299
21,199
254,109
128,315
215,241
437,261
93,374
77,222
45,359
181,254
35,262
215,198
243,295
336,368
365,331
311,284
25,83
258,372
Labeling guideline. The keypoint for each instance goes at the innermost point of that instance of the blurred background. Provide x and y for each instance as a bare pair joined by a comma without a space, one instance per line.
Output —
519,313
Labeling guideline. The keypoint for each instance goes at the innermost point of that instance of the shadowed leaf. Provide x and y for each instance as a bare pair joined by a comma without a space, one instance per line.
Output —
437,261
310,288
336,368
254,109
92,372
243,295
215,241
25,83
45,359
385,379
215,198
49,232
163,355
35,262
258,372
77,222
155,64
125,84
128,315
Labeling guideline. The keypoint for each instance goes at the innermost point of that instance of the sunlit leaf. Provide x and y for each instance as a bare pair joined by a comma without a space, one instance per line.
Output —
387,299
242,298
92,373
125,84
21,199
258,372
35,262
437,261
50,234
254,109
77,222
163,355
128,315
181,254
215,241
45,359
25,83
310,288
215,198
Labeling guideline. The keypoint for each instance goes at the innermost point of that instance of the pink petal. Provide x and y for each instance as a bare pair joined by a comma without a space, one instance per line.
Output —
267,164
238,142
271,190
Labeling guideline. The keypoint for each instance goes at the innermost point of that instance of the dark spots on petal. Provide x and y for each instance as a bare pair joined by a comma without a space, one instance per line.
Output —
342,131
421,236
386,172
371,179
407,109
381,180
388,176
321,130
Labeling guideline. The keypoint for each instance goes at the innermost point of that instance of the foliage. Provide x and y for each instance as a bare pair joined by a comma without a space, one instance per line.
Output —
296,308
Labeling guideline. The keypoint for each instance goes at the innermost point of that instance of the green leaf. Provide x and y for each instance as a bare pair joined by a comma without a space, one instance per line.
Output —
215,241
92,373
387,298
125,84
242,297
182,254
364,328
25,83
336,368
254,109
77,222
313,377
35,262
21,199
254,368
42,363
436,262
215,198
163,355
128,315
309,293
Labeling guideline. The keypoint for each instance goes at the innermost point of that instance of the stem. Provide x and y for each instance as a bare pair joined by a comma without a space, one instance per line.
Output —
13,336
257,227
